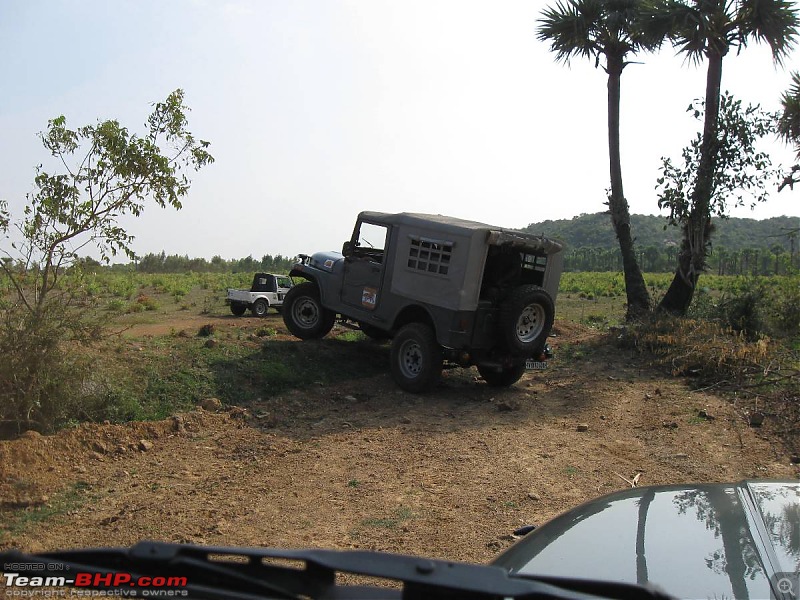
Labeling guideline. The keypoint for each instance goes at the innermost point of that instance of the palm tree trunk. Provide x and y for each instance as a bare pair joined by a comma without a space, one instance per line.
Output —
635,288
697,228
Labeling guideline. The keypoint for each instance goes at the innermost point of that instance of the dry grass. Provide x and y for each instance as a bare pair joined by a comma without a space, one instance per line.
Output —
760,376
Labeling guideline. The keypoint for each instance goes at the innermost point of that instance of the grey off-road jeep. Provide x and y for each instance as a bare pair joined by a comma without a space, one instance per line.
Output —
445,290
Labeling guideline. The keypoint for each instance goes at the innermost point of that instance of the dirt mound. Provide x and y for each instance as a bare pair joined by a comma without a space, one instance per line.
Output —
35,466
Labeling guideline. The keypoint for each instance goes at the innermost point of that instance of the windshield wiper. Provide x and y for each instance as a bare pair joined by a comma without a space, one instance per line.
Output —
249,573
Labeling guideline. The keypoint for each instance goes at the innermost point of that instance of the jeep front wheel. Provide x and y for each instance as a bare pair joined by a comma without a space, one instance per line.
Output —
526,318
416,358
303,313
504,377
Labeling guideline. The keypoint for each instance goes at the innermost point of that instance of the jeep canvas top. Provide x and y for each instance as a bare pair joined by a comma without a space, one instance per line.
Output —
447,253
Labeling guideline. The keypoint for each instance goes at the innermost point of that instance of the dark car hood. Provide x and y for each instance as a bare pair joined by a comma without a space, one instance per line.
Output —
693,541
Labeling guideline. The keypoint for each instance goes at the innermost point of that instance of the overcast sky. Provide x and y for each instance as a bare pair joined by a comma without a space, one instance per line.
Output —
318,109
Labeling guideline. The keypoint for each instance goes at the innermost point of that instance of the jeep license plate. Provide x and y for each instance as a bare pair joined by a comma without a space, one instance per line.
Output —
535,365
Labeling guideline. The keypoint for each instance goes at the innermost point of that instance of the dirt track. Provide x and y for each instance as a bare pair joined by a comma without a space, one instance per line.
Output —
449,474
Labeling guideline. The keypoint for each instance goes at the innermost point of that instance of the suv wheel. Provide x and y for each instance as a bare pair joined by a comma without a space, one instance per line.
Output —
416,358
303,313
526,318
502,377
238,309
260,308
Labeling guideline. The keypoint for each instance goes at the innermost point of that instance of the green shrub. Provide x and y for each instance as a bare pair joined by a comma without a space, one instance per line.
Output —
115,305
135,307
742,313
784,309
41,380
145,302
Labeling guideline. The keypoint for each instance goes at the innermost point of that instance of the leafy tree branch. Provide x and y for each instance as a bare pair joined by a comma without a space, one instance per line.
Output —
742,174
101,173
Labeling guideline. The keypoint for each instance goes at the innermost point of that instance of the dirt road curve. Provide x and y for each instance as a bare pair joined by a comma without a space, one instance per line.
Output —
363,465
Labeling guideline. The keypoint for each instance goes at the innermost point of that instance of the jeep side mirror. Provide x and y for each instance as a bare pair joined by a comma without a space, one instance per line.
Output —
347,248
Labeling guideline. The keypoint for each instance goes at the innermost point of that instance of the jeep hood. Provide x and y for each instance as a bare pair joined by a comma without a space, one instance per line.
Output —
693,541
326,261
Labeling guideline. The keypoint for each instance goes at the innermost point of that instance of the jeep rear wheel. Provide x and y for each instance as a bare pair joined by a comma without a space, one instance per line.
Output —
303,313
526,318
416,358
260,307
502,377
238,309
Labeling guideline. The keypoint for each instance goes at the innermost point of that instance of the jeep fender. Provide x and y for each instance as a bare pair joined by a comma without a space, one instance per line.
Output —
415,313
303,272
296,272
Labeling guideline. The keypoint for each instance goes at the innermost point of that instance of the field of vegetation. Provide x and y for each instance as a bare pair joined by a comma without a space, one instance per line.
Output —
152,376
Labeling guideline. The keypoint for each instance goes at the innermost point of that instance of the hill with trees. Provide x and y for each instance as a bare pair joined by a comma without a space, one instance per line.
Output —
740,245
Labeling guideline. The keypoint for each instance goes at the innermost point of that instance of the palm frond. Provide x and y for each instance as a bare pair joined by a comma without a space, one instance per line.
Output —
570,27
789,121
774,22
654,24
687,24
590,28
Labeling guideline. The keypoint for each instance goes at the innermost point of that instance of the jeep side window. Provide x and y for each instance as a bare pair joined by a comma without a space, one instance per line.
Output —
533,268
371,242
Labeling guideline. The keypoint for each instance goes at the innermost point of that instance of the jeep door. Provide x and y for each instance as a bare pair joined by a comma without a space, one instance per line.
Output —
283,283
364,266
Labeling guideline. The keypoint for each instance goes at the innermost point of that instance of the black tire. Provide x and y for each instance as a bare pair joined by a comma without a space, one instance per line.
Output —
303,313
373,332
416,358
502,378
260,308
238,309
526,318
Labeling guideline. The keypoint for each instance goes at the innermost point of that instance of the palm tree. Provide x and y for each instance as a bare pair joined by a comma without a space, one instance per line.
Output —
709,29
789,126
608,29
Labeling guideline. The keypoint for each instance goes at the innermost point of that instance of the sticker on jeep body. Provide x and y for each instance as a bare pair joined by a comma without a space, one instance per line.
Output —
369,298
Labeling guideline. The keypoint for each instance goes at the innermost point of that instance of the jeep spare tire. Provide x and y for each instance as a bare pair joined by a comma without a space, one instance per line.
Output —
416,358
303,313
526,318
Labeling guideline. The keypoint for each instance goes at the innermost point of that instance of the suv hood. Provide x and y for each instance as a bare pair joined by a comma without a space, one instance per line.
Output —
732,540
